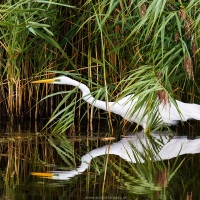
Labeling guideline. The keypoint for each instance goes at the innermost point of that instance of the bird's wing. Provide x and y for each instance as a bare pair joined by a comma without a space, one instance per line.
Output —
189,110
125,100
170,114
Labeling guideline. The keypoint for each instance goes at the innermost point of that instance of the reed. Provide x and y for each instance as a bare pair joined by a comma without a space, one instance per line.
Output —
118,47
28,47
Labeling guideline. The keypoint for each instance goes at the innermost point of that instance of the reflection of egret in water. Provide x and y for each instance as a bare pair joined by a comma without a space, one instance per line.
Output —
128,147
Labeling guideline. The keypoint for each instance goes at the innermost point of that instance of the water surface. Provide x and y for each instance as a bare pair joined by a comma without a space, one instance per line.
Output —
25,149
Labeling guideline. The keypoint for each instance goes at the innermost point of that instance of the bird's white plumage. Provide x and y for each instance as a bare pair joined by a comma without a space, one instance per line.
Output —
167,113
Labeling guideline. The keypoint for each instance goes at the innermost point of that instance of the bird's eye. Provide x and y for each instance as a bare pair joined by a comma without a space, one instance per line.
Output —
58,80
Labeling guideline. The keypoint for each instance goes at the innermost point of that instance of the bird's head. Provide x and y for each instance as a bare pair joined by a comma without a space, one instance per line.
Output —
63,80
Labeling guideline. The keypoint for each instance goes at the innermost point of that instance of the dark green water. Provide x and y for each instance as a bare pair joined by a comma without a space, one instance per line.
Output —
24,150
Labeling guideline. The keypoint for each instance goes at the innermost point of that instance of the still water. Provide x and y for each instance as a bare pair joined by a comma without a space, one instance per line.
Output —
25,148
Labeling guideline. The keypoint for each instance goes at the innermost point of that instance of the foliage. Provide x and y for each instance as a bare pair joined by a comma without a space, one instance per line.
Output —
149,47
146,47
28,47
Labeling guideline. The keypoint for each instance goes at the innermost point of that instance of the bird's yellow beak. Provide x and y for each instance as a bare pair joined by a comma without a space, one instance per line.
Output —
45,81
43,175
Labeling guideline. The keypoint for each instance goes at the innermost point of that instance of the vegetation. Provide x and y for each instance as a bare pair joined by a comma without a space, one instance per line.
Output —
119,47
149,46
116,47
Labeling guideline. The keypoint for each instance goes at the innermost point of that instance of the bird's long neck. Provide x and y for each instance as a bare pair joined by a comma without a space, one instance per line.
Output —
91,100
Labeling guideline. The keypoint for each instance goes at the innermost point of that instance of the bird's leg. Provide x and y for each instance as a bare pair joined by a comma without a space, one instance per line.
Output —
146,130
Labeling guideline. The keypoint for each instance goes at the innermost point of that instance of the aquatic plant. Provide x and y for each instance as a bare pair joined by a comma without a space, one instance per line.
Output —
117,47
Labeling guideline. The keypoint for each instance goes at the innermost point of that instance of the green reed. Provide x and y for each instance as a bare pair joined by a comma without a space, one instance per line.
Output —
28,47
121,47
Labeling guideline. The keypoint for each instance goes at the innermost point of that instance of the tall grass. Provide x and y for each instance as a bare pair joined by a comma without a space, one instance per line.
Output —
150,48
146,47
28,47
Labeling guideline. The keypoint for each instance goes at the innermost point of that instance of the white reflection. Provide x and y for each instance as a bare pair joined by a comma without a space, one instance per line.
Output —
167,149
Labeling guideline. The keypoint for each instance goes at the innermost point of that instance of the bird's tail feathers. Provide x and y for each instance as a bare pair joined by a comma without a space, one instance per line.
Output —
194,111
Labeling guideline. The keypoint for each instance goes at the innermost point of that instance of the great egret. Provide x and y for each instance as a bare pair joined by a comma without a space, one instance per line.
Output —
132,149
167,113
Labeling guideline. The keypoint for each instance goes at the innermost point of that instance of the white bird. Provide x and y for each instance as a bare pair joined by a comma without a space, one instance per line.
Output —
164,150
167,113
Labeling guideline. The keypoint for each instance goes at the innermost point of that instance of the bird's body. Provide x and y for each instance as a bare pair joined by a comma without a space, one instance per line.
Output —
167,113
